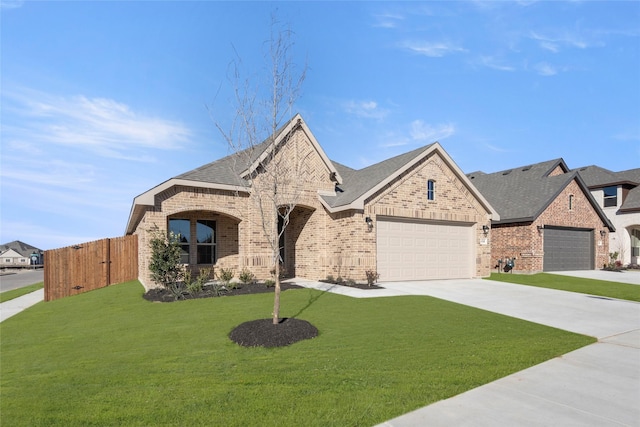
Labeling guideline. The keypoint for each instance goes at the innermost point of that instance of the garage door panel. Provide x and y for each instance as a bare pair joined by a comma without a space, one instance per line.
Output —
427,250
568,249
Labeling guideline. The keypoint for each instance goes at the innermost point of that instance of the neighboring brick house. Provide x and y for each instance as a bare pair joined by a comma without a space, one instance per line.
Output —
412,217
548,219
20,254
618,193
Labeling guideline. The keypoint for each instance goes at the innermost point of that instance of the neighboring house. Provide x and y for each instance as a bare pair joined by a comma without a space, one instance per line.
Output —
412,217
618,193
548,219
19,254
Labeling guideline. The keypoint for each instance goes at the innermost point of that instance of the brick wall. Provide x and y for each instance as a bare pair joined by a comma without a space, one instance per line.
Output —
318,243
524,241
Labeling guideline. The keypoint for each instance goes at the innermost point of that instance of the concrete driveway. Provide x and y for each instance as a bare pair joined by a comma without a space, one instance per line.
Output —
597,385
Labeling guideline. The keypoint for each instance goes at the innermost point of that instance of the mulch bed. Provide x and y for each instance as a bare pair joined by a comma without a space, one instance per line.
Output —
163,295
264,333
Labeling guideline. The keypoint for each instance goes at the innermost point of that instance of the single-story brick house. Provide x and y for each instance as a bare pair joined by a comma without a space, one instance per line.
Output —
549,221
412,217
618,194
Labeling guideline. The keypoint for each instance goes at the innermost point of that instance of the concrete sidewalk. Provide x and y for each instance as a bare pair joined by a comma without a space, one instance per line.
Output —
598,385
16,305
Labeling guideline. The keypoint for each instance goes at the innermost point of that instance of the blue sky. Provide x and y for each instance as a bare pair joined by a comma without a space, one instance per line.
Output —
100,101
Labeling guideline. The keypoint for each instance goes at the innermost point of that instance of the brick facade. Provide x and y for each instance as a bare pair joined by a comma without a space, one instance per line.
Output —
317,242
525,242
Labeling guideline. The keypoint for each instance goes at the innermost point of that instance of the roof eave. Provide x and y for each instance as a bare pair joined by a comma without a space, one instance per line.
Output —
148,198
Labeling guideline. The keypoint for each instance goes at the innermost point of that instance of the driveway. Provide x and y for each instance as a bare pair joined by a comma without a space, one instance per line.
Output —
597,385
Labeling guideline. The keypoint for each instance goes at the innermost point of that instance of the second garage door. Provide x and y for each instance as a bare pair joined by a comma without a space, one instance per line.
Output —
413,250
568,249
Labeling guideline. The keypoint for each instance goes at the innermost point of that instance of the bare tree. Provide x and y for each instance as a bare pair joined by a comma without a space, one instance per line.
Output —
262,156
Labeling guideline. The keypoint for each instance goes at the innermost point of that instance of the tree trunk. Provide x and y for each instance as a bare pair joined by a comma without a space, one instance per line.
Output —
276,298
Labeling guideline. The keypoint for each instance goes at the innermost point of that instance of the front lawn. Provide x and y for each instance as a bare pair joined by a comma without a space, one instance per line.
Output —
573,284
109,357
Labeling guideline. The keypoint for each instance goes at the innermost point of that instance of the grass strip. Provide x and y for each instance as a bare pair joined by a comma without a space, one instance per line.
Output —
15,293
601,288
110,358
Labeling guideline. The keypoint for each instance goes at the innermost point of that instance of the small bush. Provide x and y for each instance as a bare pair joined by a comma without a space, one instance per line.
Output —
225,275
269,283
330,278
197,285
372,277
350,282
246,276
283,272
339,280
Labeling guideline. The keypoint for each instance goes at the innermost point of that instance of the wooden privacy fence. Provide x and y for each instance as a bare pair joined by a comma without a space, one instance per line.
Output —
88,266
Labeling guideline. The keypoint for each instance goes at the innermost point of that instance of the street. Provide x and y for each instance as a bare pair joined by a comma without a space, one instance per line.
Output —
20,279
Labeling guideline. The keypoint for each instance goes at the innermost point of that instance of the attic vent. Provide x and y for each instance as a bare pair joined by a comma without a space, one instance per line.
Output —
583,169
507,172
526,168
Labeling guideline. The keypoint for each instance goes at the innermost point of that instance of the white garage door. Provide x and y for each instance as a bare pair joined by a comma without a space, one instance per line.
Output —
413,250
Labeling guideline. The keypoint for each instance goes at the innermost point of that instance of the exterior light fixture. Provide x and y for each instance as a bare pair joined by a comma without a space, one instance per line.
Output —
369,222
540,228
485,229
603,233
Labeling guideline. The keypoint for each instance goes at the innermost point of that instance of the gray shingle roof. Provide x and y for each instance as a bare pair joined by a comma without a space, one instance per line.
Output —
20,247
356,183
522,193
632,202
595,176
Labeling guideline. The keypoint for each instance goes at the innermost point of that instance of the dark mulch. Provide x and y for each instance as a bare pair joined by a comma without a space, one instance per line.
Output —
163,295
264,333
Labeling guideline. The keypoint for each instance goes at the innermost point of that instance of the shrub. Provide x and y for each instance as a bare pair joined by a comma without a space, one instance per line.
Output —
269,283
225,275
283,272
372,277
330,278
197,285
339,280
246,277
165,266
350,282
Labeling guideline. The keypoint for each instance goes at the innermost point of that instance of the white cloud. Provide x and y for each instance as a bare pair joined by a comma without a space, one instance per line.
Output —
366,109
103,126
554,43
495,63
432,49
545,69
424,132
388,20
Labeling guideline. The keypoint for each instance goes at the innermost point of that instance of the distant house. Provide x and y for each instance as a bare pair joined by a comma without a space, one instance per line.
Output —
20,254
549,221
618,194
415,216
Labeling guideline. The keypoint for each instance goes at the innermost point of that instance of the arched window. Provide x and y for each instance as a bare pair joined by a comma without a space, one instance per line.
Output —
431,190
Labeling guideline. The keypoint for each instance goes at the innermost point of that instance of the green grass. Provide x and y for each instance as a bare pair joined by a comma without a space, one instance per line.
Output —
110,358
573,284
15,293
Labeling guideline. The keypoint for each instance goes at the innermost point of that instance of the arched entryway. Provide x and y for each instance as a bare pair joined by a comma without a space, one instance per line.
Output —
298,244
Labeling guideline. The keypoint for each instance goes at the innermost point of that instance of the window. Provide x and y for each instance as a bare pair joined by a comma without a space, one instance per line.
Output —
206,238
182,229
7,260
610,196
570,202
431,189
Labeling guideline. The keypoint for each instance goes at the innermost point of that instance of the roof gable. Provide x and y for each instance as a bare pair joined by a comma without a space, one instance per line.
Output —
363,183
19,247
522,194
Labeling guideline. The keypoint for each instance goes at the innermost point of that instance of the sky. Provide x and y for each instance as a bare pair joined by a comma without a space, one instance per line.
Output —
101,101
